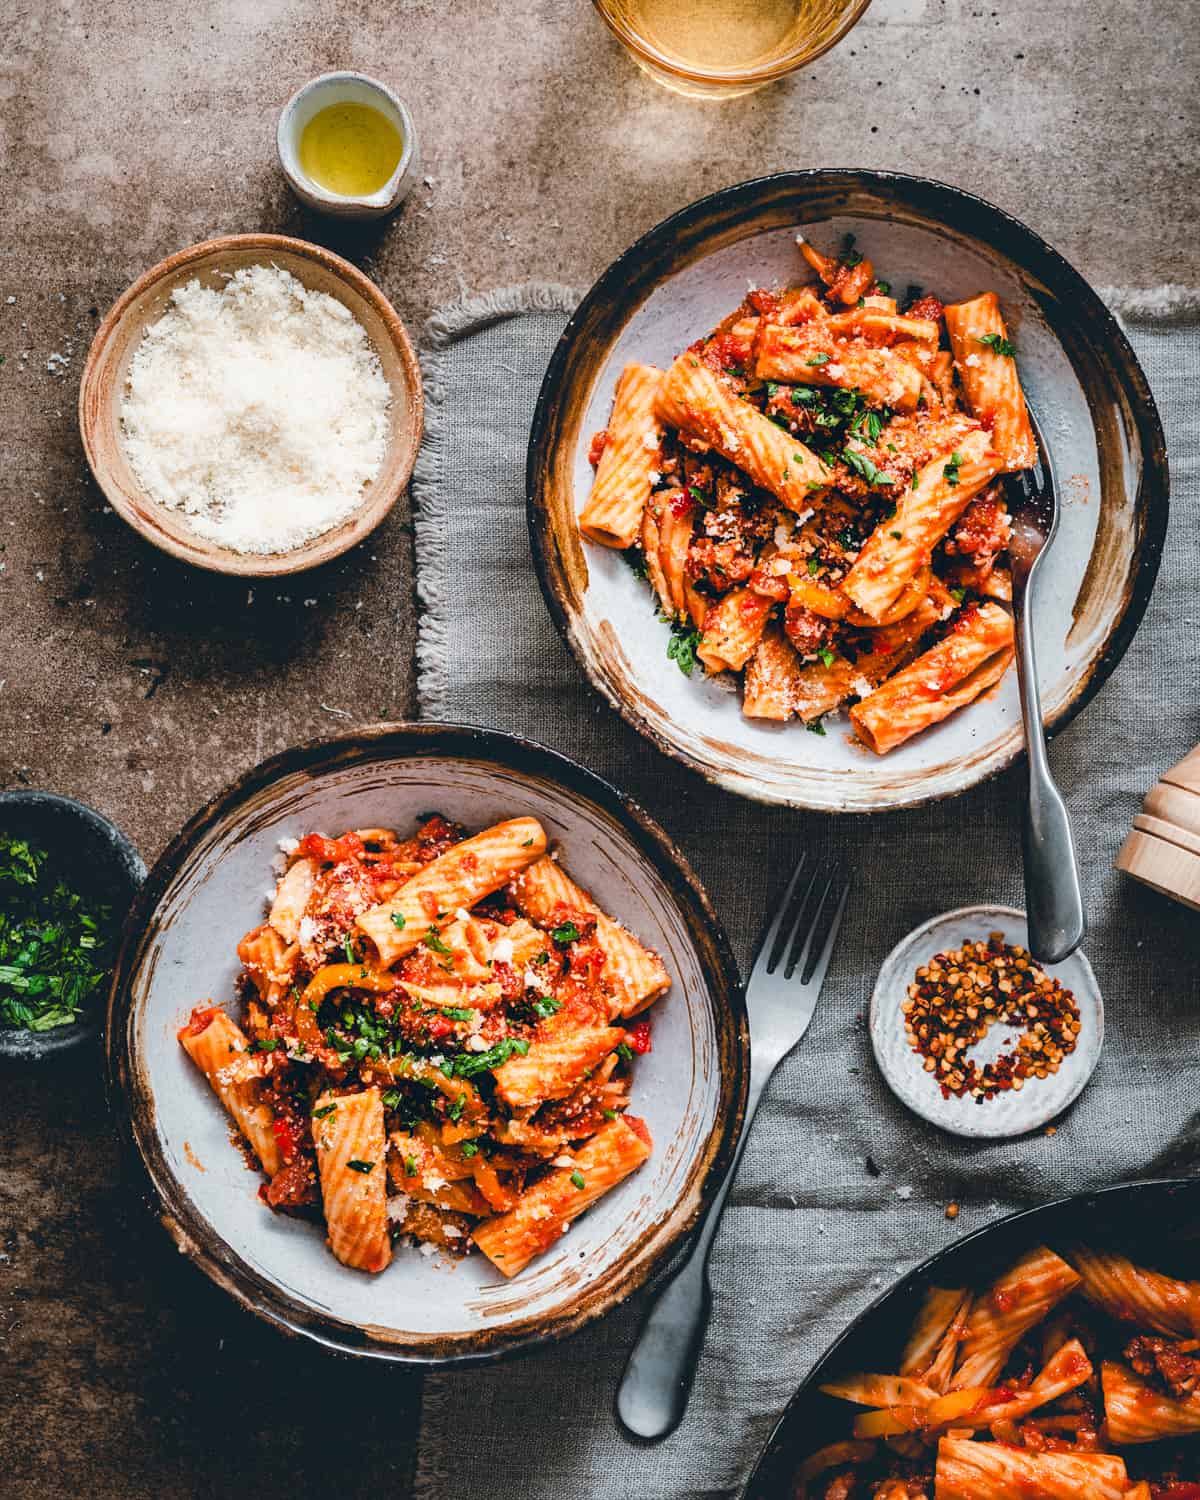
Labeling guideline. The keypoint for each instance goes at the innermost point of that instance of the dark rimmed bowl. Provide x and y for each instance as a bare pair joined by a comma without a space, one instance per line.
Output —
1084,381
210,886
1157,1220
105,867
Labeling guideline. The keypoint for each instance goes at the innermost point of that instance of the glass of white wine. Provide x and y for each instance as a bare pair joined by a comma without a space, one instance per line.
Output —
715,49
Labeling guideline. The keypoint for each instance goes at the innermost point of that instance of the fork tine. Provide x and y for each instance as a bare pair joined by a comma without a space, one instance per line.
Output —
818,970
804,932
771,937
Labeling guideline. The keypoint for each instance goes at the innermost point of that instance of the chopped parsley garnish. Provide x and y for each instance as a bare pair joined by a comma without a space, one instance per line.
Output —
827,656
610,1114
958,595
865,467
815,726
541,958
546,1006
469,1149
681,648
410,1166
883,289
772,390
348,950
577,1180
527,844
54,948
697,494
916,479
624,1051
950,472
456,1108
398,921
458,1013
263,1044
567,933
635,559
330,1109
817,359
868,426
391,1099
433,941
998,343
897,534
360,1166
470,1063
849,256
805,395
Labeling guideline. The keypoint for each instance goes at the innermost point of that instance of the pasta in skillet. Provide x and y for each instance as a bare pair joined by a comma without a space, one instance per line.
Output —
1026,1388
812,491
436,1042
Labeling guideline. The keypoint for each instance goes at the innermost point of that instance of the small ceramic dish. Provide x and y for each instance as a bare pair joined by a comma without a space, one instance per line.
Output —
1010,1113
179,948
212,262
347,88
106,868
1089,393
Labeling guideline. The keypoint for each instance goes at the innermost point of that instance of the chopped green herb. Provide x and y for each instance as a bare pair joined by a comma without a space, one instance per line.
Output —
527,844
469,1149
391,1099
541,958
865,467
697,494
360,1166
348,950
950,472
899,535
817,359
263,1044
547,1006
827,656
458,1104
331,1109
54,950
998,343
433,941
772,389
410,1166
815,726
805,395
635,559
567,933
624,1051
681,648
883,288
610,1114
814,566
916,479
958,595
458,1013
470,1063
577,1180
848,255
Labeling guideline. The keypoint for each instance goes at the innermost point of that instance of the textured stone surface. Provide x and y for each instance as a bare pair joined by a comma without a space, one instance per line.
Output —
130,131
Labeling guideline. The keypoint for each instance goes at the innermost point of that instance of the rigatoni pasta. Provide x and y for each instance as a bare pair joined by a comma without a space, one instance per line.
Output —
1023,1389
438,1042
824,504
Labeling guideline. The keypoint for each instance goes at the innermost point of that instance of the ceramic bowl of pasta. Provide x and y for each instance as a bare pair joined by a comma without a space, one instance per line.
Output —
471,1025
767,486
1050,1354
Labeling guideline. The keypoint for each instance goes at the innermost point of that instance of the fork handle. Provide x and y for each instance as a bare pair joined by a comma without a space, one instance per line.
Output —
654,1390
1053,898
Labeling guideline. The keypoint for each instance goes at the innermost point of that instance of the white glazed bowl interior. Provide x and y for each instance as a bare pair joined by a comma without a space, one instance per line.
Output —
419,1303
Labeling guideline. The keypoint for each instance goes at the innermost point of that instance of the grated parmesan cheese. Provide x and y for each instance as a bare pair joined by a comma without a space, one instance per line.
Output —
258,411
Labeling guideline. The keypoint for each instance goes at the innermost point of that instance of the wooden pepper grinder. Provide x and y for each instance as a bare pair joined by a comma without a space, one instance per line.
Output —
1163,848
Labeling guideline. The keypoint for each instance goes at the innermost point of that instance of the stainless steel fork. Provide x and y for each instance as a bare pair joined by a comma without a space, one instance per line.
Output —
781,997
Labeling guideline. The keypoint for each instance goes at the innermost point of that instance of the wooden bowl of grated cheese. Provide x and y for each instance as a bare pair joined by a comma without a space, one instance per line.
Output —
252,405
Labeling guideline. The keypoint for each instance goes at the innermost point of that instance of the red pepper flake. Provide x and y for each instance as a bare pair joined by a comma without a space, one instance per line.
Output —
597,445
958,996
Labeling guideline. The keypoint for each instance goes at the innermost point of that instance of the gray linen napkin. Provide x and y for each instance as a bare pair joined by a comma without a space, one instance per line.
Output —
841,1189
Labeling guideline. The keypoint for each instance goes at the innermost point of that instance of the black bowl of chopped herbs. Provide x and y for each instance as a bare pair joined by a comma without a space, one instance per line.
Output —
67,878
